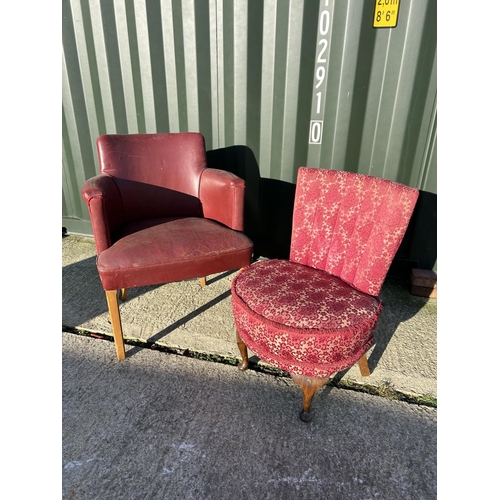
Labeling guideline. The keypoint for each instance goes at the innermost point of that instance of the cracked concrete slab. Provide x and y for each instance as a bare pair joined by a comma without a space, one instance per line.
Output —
157,426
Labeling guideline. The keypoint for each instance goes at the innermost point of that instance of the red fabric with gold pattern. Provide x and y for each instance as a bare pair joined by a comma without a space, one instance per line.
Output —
303,320
350,225
314,315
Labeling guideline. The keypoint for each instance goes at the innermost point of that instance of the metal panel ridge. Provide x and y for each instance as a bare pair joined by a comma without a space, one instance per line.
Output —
296,82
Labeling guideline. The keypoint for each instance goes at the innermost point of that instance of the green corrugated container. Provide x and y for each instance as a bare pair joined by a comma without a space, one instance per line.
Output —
272,85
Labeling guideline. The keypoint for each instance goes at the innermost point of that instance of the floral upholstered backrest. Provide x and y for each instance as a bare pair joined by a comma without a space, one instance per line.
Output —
350,225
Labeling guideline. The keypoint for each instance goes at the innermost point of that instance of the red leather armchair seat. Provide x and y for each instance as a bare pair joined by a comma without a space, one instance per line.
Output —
159,215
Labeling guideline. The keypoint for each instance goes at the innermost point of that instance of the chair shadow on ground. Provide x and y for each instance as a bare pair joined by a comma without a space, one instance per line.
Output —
268,222
83,298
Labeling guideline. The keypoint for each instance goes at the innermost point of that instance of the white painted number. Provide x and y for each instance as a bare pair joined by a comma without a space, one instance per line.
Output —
321,59
320,75
324,22
318,102
316,129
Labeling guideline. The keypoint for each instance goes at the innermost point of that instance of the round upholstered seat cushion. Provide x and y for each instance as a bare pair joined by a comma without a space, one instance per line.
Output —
302,320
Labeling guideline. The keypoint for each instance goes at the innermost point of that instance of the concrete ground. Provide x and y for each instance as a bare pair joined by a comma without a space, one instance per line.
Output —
159,425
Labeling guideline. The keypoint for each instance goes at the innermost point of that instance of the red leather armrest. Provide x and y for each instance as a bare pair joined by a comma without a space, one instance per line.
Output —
222,195
104,202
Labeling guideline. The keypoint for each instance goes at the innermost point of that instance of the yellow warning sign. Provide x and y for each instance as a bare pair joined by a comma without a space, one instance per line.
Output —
386,13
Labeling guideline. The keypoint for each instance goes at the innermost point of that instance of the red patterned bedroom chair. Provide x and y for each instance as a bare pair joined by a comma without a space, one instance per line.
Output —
314,314
160,215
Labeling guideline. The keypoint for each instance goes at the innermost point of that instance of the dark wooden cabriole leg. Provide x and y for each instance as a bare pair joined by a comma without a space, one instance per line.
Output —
309,386
243,351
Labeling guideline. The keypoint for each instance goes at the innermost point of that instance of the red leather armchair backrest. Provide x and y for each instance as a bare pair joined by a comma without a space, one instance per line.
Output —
350,225
158,175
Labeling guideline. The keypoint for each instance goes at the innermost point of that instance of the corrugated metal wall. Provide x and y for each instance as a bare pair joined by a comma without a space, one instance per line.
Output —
257,73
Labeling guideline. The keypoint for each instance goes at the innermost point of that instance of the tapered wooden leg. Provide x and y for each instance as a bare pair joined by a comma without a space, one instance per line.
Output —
309,386
243,351
363,366
203,281
123,294
116,322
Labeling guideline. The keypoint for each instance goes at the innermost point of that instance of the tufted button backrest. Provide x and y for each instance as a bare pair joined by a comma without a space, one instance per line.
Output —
158,175
350,225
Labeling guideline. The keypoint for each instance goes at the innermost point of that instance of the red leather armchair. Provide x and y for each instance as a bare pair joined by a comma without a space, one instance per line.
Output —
159,215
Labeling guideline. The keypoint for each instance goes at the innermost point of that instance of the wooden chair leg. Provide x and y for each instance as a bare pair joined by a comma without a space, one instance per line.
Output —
116,322
243,351
203,281
309,386
123,294
363,366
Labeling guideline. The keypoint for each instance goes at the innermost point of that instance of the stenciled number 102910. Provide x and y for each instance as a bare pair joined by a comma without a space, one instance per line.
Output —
316,128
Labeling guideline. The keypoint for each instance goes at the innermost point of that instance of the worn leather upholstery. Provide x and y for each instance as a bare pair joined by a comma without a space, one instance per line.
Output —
315,314
159,214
